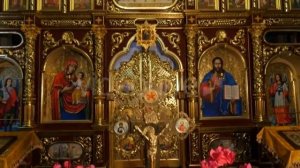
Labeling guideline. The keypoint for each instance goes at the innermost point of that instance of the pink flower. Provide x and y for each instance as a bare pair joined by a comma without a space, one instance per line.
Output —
246,165
67,164
79,166
91,166
218,156
57,165
230,155
209,164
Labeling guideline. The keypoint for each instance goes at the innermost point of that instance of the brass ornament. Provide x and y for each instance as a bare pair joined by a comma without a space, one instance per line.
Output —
117,38
145,34
174,39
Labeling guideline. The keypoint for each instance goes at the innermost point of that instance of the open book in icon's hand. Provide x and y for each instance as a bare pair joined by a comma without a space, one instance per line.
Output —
231,92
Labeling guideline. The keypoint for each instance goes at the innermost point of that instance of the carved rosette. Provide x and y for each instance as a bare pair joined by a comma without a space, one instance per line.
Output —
31,32
99,32
258,63
190,31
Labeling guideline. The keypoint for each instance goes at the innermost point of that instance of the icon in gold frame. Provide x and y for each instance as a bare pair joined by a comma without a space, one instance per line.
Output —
208,5
81,5
15,5
238,5
49,5
146,34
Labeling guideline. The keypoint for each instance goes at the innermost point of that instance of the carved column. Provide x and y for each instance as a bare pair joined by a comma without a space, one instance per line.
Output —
99,32
259,91
190,31
31,32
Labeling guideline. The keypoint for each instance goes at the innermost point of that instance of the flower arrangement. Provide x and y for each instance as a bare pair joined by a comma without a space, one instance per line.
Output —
219,157
68,164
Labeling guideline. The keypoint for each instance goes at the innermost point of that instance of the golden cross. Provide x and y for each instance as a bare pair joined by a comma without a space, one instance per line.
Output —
191,19
29,20
257,18
98,20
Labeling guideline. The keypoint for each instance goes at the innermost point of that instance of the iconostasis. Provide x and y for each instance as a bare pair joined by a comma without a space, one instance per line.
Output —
77,72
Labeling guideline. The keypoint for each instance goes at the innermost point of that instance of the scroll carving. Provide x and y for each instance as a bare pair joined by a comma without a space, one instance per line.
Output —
68,38
18,55
174,39
117,38
239,40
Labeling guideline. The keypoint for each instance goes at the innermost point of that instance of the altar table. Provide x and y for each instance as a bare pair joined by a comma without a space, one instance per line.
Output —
283,142
15,146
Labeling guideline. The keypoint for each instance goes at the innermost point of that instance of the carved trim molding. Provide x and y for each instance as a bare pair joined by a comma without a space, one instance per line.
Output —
67,22
18,55
221,22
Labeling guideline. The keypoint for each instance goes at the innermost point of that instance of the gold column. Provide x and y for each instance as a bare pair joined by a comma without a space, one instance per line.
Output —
190,31
99,32
31,32
259,91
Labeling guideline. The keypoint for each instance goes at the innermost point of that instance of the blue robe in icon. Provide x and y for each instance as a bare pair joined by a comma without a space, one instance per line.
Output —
213,102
